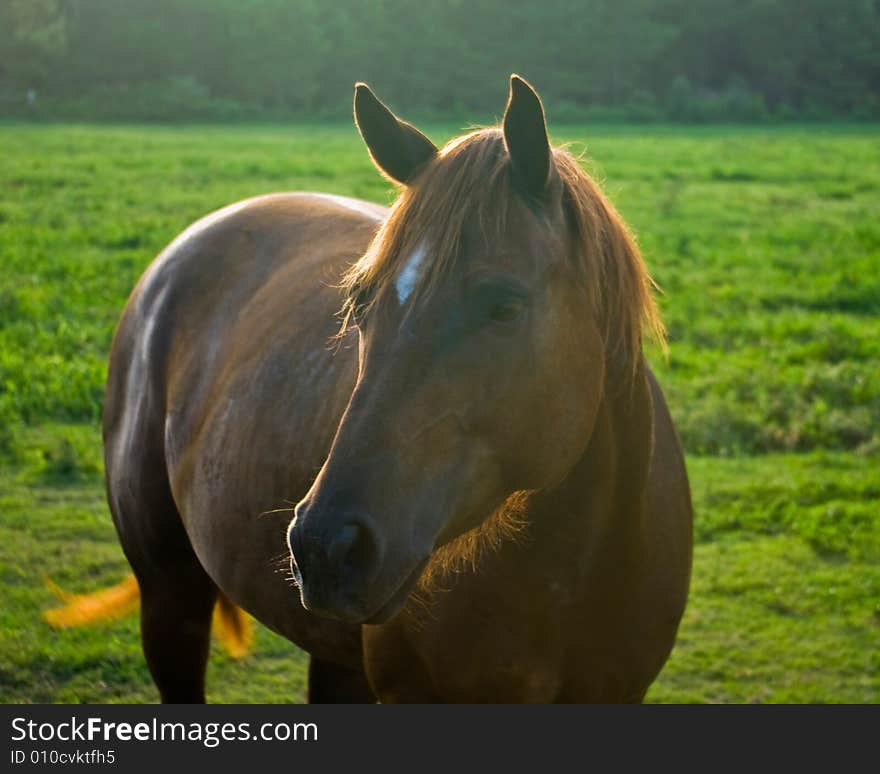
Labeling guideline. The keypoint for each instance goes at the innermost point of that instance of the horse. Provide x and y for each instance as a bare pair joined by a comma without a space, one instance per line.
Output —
491,500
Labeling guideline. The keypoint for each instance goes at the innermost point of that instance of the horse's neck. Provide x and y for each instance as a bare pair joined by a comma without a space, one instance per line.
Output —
603,499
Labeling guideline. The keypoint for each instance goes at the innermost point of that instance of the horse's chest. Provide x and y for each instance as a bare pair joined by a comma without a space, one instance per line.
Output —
468,654
549,645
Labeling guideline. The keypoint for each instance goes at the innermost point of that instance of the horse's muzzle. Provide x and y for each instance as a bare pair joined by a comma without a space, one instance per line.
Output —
336,565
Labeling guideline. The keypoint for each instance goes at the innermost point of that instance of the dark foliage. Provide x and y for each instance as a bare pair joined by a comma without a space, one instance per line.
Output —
684,60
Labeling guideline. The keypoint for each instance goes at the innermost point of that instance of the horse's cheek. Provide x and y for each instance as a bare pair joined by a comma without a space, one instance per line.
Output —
567,371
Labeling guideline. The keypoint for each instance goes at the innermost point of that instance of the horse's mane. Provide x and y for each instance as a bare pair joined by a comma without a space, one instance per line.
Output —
470,179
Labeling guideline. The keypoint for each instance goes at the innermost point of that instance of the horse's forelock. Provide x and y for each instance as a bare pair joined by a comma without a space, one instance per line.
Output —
470,180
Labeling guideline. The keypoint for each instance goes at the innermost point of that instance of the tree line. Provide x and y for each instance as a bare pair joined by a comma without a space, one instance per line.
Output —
691,60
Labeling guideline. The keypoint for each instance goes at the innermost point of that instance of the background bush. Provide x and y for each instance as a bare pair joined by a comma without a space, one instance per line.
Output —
604,60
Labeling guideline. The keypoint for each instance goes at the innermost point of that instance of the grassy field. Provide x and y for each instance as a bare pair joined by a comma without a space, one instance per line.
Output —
767,245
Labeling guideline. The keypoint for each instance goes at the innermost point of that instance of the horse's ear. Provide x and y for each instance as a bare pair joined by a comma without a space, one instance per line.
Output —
525,135
397,148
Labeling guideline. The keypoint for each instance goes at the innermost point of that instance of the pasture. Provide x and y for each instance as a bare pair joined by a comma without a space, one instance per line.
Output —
766,242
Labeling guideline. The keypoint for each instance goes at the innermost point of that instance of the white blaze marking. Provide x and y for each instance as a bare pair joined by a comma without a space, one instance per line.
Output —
406,280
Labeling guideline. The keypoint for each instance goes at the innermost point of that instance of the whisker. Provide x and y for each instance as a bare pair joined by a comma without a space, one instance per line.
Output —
281,559
275,510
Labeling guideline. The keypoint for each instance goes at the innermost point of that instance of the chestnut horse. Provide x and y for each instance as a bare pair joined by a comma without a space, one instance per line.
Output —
492,502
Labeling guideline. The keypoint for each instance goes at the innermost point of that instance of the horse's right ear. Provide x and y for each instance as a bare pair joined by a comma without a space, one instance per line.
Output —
397,148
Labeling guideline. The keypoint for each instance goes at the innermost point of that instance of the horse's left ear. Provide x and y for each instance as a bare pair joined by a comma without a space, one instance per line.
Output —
525,135
397,148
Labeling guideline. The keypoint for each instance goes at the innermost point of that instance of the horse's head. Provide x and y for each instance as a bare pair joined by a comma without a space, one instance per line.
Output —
490,307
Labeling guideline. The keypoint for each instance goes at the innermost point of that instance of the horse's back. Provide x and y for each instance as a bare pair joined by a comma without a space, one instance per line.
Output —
256,272
224,345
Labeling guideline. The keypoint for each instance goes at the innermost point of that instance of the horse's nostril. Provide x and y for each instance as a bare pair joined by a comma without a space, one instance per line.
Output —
344,543
353,548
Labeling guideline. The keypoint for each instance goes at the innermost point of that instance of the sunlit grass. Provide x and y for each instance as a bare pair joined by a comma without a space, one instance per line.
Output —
767,245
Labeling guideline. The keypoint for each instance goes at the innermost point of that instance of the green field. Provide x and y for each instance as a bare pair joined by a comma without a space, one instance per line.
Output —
767,245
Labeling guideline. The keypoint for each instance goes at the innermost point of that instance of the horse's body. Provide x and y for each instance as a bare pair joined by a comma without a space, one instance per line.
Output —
224,396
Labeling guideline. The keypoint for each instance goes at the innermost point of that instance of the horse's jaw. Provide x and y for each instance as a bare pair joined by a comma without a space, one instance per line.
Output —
399,598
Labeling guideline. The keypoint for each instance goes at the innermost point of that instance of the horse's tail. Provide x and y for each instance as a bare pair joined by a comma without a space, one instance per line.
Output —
83,609
231,624
233,627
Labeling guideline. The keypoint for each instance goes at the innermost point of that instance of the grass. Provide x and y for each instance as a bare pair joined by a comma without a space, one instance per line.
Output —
767,245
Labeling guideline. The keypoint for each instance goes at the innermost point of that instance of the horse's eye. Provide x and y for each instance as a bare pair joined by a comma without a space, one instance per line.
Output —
506,310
